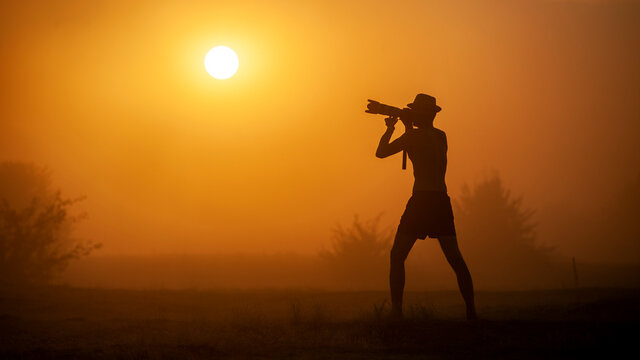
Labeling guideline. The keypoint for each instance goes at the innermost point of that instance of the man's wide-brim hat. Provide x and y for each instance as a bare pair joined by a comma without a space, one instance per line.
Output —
424,103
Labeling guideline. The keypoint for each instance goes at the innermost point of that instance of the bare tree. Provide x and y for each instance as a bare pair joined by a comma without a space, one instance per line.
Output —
36,226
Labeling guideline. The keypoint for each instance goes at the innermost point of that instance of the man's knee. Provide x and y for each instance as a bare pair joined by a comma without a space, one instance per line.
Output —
449,245
397,256
401,247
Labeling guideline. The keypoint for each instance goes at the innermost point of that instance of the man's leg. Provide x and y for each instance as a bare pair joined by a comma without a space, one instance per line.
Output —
401,247
449,245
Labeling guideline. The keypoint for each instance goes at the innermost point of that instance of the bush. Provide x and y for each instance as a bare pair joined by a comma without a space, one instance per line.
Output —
498,237
359,255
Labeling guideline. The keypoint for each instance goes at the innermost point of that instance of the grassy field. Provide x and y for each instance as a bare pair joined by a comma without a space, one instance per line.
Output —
189,324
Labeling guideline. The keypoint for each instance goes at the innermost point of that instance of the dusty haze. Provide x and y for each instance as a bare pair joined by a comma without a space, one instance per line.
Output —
113,97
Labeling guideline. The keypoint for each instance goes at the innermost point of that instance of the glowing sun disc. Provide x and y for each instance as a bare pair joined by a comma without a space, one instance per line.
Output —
221,62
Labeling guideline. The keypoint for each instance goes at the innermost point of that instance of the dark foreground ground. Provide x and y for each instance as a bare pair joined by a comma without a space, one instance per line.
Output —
82,323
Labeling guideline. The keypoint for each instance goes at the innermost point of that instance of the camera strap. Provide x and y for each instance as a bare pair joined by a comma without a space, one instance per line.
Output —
404,159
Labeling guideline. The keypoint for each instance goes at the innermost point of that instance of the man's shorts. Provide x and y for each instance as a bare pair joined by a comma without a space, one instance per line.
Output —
428,213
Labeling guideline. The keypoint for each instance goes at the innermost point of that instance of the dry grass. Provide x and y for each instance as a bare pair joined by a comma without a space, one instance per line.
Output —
81,323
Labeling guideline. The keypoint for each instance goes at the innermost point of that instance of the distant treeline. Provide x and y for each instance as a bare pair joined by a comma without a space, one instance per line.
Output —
496,233
425,271
497,236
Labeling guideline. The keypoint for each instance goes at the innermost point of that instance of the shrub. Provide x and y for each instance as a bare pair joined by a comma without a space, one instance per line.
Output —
358,257
497,235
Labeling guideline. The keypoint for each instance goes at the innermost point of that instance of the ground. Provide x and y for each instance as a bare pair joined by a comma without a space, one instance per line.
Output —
61,322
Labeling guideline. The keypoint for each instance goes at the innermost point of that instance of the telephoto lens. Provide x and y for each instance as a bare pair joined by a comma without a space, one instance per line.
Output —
375,107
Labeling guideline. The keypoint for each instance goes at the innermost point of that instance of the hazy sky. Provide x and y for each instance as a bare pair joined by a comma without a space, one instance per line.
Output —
113,97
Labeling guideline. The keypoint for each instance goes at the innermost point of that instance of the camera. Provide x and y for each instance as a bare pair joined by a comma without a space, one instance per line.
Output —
375,107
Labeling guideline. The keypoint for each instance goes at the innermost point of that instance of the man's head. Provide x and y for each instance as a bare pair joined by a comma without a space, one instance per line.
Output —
424,110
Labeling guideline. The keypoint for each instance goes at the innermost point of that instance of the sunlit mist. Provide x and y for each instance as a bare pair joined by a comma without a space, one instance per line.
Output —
121,102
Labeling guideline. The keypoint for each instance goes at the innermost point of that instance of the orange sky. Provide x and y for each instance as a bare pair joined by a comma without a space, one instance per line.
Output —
113,97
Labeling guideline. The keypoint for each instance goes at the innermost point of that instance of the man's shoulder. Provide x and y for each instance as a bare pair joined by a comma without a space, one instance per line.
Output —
439,131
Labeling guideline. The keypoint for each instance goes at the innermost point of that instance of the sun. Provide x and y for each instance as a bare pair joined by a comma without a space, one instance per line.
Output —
221,62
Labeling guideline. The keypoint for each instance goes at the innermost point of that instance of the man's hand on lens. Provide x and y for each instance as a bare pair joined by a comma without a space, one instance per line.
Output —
391,121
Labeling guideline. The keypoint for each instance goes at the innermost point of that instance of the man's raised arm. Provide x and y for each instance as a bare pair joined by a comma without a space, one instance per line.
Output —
385,148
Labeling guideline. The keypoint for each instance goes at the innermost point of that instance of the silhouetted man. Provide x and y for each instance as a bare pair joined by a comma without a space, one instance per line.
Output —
428,212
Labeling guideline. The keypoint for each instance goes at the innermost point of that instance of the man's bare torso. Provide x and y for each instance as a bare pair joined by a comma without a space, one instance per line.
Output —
427,149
